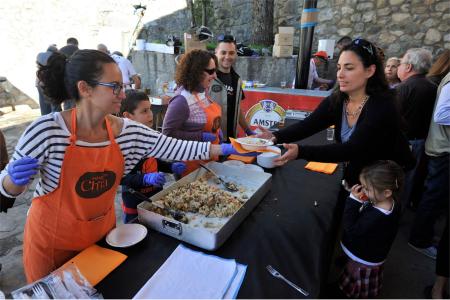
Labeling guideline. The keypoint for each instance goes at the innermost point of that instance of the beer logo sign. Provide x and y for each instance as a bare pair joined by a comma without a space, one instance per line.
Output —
266,113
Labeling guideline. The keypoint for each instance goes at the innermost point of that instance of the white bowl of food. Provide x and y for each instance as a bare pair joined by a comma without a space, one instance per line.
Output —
265,159
254,143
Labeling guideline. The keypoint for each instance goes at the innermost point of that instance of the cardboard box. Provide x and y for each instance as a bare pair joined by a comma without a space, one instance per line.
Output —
289,30
191,42
282,51
284,39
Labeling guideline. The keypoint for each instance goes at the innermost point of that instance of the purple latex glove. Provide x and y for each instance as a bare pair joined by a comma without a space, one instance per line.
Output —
155,179
228,149
178,168
208,137
20,171
248,131
220,136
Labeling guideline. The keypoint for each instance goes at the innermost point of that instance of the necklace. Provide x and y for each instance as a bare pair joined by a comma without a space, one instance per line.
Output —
358,110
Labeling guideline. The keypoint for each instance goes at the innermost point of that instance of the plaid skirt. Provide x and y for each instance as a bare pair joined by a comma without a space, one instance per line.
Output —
361,281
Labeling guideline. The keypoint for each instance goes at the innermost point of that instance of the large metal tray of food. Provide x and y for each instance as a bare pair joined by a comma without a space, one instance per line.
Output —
211,212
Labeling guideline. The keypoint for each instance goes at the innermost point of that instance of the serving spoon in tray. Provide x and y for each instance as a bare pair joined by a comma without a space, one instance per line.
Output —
232,187
176,214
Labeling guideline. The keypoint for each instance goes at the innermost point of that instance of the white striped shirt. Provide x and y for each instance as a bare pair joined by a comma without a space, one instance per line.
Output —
47,138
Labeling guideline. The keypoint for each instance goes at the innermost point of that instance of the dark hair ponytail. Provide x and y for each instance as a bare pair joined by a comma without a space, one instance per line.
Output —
60,76
385,175
51,77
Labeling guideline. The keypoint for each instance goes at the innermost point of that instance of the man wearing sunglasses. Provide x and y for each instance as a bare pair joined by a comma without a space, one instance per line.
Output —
226,89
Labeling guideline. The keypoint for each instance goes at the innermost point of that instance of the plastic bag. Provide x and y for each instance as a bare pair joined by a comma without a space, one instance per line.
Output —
64,283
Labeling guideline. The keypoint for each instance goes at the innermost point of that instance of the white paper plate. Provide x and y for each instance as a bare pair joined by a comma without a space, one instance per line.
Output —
253,168
253,143
126,235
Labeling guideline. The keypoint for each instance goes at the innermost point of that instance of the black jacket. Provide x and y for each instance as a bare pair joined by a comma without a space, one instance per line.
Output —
377,136
416,97
369,233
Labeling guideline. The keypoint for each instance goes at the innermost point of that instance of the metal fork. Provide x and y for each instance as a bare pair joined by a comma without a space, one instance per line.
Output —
277,274
40,292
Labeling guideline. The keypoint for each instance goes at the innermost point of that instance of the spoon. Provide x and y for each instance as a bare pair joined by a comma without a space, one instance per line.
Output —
176,214
228,185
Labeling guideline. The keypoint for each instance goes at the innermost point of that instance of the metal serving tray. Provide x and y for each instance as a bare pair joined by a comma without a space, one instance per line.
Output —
201,231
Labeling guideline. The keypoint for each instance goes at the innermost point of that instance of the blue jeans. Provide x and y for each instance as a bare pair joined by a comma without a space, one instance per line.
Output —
415,178
434,202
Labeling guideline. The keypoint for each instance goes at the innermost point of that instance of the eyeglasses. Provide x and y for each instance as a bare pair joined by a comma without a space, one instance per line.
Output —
364,44
210,71
116,87
226,38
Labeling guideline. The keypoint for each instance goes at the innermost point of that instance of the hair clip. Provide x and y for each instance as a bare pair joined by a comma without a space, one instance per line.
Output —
396,183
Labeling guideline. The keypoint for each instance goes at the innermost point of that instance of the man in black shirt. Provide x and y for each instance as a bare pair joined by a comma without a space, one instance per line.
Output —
416,96
226,89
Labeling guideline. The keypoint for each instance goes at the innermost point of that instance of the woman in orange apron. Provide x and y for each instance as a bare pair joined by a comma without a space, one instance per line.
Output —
191,114
81,154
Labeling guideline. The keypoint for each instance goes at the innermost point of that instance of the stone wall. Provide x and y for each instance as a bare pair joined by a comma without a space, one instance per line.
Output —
394,25
161,67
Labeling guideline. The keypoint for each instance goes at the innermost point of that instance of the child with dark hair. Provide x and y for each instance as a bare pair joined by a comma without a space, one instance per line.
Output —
370,223
145,177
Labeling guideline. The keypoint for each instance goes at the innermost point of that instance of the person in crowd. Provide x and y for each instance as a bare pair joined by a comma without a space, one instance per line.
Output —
390,70
129,74
71,47
226,89
362,109
440,67
439,290
342,42
103,48
68,51
416,96
435,197
79,157
370,224
314,81
44,103
192,114
147,177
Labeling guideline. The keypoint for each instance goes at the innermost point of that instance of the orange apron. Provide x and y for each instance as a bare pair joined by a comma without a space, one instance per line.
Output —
213,114
79,212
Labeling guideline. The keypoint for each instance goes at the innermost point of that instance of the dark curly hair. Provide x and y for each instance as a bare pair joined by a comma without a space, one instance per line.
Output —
191,69
60,76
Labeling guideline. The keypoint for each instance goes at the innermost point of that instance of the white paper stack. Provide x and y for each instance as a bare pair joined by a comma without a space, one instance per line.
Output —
189,274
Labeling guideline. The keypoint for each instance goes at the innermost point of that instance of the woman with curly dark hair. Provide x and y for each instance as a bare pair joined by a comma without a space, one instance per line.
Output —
191,114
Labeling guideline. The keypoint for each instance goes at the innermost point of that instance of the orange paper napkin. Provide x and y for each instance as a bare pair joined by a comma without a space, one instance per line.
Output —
96,262
327,168
245,159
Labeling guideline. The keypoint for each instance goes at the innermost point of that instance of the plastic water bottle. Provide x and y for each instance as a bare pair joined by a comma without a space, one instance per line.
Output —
330,133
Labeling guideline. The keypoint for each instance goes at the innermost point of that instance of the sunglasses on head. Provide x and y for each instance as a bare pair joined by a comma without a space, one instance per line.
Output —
226,38
210,71
364,44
